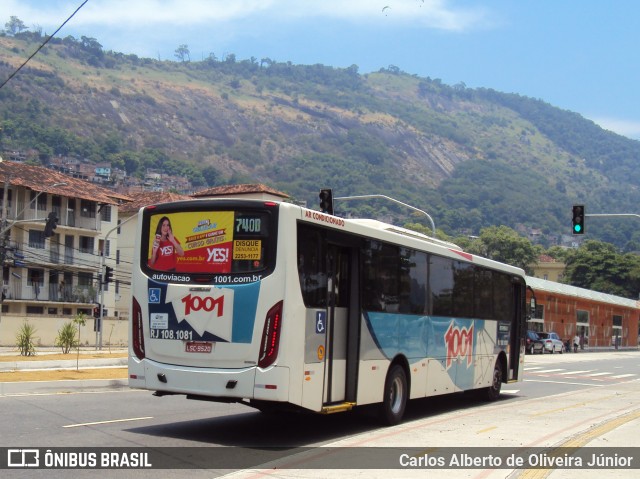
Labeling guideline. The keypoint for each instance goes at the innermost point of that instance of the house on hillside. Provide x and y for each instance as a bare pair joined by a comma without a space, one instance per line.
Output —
50,280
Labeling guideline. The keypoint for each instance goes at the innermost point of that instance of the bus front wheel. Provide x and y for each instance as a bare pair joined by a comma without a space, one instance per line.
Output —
395,397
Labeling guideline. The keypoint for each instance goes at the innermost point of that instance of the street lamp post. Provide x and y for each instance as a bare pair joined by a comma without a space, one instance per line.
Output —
102,265
362,197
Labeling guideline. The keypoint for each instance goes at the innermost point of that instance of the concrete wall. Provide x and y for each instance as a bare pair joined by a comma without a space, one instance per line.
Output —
114,331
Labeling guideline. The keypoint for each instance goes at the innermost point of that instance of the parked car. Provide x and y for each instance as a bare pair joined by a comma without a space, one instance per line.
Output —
552,343
534,343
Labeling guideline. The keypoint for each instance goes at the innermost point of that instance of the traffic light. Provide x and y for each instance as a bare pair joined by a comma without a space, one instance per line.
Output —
52,224
578,220
326,201
97,318
108,274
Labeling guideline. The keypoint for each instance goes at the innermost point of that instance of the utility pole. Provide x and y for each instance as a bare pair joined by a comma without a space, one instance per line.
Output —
3,245
5,198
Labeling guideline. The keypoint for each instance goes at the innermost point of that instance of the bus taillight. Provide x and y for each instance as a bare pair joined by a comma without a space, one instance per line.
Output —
138,334
271,336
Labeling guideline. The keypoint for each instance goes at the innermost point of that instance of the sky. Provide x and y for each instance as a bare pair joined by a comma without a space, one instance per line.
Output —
578,55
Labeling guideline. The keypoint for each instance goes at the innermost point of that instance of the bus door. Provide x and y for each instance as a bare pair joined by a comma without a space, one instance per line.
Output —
518,329
338,285
329,271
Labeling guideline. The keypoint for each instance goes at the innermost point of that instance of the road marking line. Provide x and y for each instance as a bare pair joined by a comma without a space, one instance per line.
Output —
562,382
68,393
108,422
597,374
579,372
620,376
550,370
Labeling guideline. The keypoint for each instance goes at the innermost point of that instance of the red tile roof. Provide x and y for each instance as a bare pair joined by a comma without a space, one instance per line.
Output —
147,198
52,182
239,190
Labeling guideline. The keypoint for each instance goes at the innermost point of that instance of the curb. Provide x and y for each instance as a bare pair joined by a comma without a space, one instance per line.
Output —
61,387
61,364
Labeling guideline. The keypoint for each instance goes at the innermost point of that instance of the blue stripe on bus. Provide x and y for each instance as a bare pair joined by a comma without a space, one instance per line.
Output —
245,305
435,337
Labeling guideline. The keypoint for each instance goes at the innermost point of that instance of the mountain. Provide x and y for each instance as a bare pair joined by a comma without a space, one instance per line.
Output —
469,157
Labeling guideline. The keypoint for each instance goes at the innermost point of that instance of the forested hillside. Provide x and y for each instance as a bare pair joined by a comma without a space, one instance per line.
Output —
469,157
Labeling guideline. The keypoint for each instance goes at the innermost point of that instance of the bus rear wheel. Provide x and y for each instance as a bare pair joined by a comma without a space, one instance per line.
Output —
493,392
395,397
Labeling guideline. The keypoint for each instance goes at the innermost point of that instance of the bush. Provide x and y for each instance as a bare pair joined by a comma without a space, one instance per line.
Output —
67,337
25,338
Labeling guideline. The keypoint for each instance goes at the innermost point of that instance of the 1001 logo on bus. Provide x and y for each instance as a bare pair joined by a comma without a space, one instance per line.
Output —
208,304
459,343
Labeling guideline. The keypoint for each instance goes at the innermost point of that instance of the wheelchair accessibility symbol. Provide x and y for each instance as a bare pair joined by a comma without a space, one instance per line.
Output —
321,321
154,295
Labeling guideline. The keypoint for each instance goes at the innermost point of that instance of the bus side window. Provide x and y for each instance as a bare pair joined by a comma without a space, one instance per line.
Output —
413,280
441,285
311,268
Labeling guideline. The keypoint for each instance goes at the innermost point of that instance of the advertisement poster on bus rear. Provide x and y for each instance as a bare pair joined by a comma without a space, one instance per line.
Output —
191,242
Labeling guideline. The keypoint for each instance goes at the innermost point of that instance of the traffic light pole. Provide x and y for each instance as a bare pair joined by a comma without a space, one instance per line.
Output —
614,214
579,215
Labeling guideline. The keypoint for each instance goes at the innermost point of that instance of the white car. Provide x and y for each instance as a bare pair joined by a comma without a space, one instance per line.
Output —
552,343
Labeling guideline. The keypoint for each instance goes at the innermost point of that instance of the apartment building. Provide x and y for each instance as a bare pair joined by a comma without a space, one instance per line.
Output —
50,280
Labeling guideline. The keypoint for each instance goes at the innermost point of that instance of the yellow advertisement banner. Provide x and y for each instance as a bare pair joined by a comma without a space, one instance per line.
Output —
247,249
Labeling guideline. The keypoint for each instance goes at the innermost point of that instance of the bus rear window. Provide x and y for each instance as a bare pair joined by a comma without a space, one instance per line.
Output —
208,241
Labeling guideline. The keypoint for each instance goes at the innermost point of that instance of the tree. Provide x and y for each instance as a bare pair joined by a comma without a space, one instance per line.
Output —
25,339
558,253
182,53
599,266
14,25
93,50
66,338
503,244
79,320
211,175
425,230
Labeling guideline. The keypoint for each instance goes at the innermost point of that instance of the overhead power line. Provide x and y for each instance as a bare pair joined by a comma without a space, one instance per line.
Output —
42,45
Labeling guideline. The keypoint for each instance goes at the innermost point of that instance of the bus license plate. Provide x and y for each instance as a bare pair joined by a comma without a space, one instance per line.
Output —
198,347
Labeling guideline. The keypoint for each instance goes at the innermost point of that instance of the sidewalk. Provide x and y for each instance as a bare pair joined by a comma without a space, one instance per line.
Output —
48,350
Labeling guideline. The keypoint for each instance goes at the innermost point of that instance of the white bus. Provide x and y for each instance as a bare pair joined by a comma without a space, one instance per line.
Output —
271,305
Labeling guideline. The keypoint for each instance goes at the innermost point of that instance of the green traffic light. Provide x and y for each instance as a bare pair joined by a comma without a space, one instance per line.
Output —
577,228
